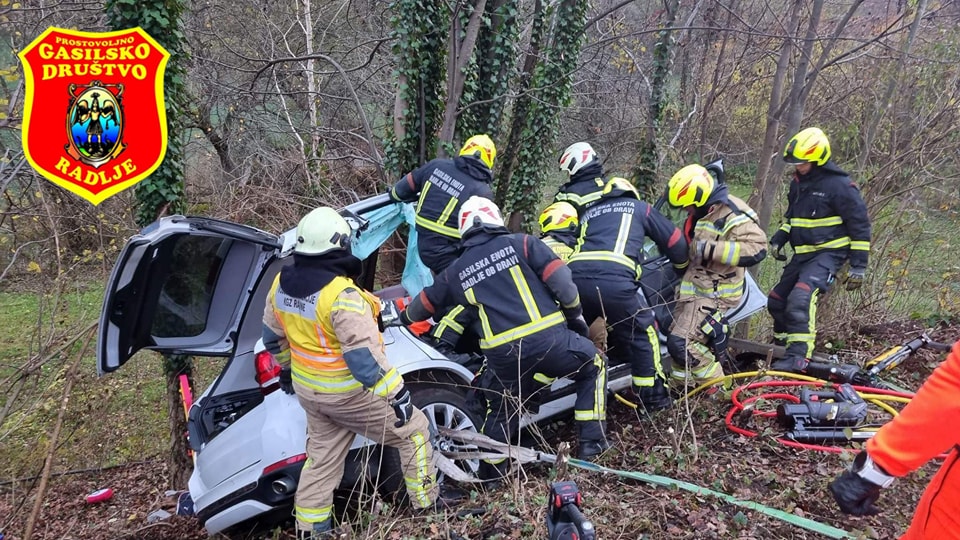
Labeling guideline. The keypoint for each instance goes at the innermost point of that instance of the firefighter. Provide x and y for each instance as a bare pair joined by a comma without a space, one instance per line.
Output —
580,162
322,329
606,267
724,239
929,424
826,223
559,226
532,322
440,187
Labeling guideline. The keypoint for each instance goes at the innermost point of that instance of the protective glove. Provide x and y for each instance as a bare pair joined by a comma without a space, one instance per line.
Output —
780,239
855,278
578,325
286,380
854,495
402,407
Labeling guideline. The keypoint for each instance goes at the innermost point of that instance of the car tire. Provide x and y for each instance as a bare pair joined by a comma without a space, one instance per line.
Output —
446,406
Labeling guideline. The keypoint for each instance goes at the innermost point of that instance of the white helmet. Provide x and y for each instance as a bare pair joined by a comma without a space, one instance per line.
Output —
477,213
322,230
576,156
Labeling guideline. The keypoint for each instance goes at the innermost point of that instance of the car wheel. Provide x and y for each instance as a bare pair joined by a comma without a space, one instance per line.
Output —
444,407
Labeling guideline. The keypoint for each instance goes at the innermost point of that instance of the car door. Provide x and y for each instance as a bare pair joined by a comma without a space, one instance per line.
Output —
180,286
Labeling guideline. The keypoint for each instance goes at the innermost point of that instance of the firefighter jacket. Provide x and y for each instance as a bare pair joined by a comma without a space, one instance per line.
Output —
561,243
335,345
612,236
826,213
927,426
584,188
515,282
442,185
732,241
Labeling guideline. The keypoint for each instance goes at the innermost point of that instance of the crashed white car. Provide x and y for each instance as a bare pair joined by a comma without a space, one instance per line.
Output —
194,285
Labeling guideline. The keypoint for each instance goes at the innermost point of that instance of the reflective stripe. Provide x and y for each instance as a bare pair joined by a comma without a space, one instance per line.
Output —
521,331
643,382
313,515
388,384
623,234
449,322
843,241
655,345
326,384
543,379
609,256
484,321
526,295
723,290
434,226
786,227
812,223
419,488
731,253
860,245
445,215
735,221
585,416
349,305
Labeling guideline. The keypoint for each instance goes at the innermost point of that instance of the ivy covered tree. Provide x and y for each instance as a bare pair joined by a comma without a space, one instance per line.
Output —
538,111
162,192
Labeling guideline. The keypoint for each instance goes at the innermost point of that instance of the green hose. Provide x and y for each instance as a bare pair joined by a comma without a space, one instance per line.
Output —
809,524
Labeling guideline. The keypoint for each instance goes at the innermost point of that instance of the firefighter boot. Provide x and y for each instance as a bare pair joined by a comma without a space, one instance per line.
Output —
447,499
593,440
493,474
321,531
654,398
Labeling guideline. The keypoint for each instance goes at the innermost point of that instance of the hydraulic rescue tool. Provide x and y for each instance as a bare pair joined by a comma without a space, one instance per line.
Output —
825,416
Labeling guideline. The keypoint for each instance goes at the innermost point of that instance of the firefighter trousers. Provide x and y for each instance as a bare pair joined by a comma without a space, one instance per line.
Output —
632,333
333,419
555,352
793,301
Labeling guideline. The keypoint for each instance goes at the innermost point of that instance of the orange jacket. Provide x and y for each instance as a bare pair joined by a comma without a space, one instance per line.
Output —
928,426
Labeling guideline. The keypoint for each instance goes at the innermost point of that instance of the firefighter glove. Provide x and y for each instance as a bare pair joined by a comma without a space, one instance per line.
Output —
402,407
779,240
286,381
855,495
855,278
578,325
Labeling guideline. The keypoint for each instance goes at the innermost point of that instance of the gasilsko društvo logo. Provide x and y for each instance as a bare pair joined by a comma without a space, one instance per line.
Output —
94,122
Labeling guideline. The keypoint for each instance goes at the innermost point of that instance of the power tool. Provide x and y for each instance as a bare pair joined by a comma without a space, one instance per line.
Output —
565,520
825,416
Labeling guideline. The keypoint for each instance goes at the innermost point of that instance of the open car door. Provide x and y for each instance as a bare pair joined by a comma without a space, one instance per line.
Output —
181,286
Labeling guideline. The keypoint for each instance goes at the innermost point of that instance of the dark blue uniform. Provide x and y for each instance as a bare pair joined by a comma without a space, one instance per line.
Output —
442,185
827,224
584,188
523,296
606,266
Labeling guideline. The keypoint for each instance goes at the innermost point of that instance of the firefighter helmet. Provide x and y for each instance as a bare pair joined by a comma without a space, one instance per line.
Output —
691,186
808,146
482,147
618,186
479,213
559,216
576,157
321,231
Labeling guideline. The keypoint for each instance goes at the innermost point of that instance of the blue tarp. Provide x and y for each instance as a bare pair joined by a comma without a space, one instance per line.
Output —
380,225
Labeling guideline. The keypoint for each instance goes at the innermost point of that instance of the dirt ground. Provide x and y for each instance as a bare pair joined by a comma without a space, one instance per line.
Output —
688,443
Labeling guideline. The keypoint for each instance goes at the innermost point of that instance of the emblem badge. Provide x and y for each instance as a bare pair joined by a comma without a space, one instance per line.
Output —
94,122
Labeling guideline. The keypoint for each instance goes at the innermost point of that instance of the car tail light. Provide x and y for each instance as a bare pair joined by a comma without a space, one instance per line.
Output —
283,463
268,372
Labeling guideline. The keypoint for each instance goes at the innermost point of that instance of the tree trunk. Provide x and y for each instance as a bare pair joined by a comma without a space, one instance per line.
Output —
461,51
179,463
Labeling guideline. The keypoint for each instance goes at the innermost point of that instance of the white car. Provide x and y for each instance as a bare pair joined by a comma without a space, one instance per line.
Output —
196,285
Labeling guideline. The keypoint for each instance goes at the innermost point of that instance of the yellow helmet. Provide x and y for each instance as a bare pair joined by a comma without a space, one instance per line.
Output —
559,216
617,186
691,186
808,146
481,146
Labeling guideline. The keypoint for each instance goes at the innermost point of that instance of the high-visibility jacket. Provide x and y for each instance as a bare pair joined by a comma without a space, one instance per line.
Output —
515,282
826,212
442,185
734,241
334,342
928,426
612,235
